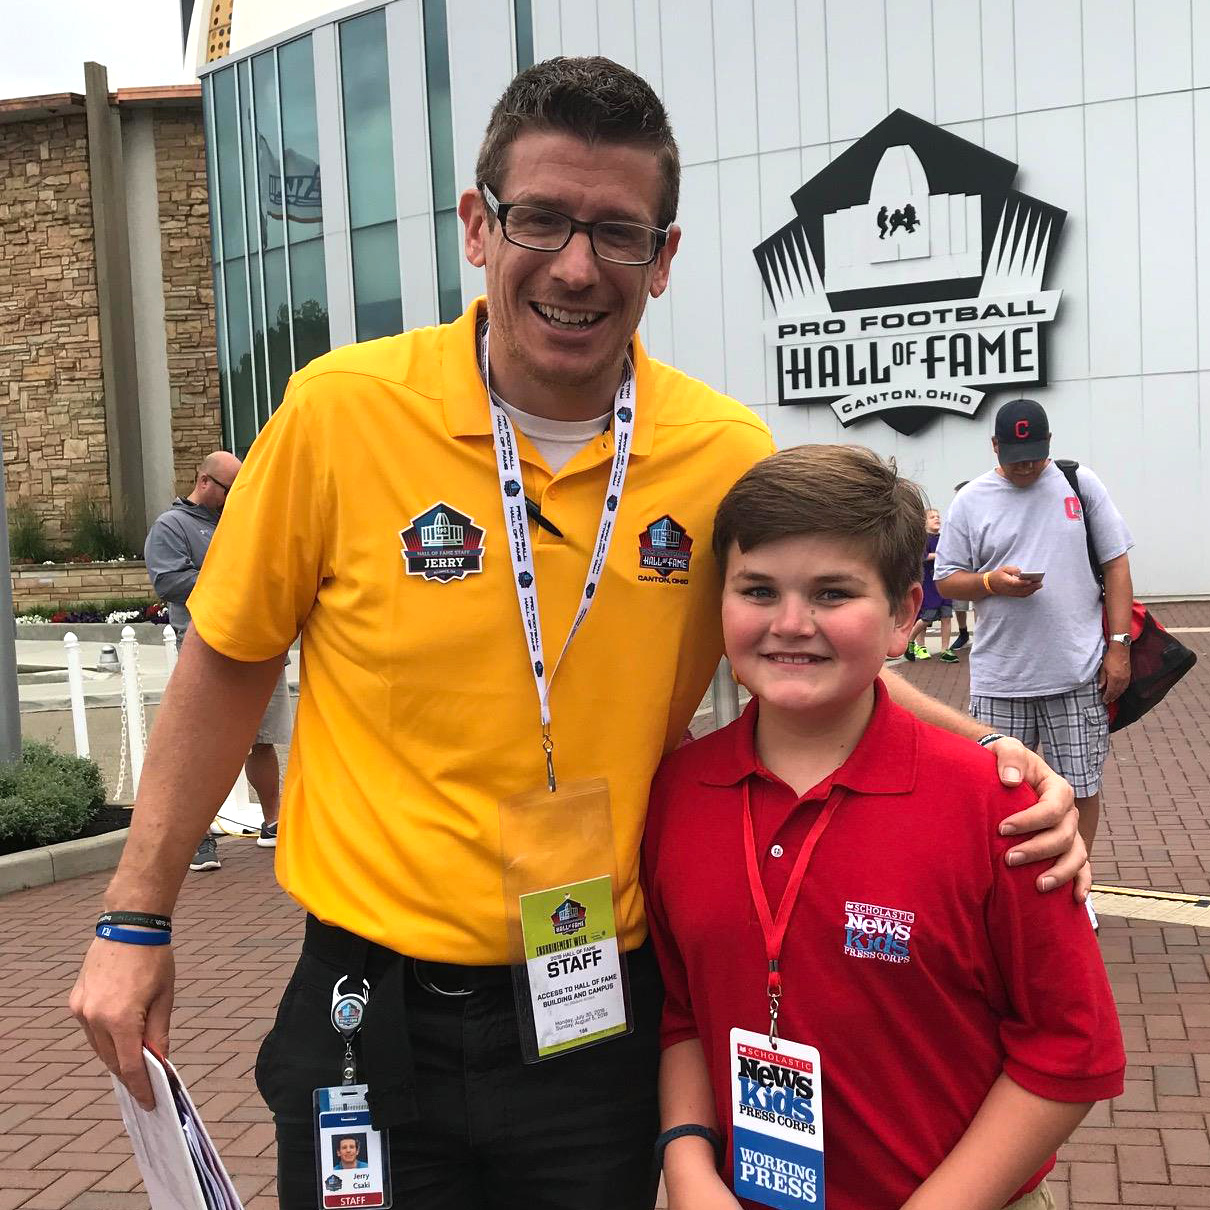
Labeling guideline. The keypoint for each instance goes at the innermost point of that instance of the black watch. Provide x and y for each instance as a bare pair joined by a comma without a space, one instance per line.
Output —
679,1132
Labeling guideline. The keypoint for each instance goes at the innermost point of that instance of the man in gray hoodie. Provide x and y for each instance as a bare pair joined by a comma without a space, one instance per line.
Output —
176,546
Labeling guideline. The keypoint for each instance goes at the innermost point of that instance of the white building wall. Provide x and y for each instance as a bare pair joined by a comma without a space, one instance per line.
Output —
1104,104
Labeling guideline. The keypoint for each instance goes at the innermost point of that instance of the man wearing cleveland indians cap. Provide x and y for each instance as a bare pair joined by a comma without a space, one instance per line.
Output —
1041,668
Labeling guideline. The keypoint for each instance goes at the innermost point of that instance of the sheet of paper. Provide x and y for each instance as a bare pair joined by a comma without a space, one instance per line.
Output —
176,1156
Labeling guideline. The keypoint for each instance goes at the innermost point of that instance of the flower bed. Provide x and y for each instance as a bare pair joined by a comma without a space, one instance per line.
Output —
121,611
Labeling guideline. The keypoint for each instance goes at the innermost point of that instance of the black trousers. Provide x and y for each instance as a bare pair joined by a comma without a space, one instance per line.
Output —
574,1132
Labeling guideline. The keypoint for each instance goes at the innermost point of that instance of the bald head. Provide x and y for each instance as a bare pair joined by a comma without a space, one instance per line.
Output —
214,479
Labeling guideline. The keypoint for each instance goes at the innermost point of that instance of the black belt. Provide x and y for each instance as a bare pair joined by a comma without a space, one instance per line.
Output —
385,1045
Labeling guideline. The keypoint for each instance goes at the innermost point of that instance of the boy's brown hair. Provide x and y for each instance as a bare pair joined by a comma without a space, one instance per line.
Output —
832,491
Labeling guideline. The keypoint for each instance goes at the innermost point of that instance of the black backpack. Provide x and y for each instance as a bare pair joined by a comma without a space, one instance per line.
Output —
1157,660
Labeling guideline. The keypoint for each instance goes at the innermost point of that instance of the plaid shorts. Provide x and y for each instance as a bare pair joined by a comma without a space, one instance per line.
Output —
1073,729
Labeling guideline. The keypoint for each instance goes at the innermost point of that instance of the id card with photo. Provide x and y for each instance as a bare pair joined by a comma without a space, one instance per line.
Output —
776,1121
353,1163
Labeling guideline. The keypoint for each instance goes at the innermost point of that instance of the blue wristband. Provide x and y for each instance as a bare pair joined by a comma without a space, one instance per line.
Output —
115,932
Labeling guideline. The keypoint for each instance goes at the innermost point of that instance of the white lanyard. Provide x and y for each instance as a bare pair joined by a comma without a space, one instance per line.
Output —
512,495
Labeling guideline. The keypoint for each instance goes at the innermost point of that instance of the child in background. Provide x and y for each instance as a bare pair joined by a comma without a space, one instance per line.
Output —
933,606
962,609
911,1026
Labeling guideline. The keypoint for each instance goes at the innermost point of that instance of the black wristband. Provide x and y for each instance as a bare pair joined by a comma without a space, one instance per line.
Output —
145,919
680,1132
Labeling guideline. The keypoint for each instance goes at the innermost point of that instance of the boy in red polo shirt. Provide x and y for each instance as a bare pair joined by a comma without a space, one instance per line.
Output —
863,1001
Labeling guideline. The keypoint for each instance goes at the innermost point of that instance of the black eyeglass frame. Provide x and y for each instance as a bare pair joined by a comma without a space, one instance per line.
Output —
500,210
225,486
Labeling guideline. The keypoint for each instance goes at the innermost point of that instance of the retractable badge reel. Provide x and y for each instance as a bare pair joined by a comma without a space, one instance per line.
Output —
348,1012
352,1158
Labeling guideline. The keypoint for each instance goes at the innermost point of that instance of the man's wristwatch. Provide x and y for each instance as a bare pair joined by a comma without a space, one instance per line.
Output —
1124,639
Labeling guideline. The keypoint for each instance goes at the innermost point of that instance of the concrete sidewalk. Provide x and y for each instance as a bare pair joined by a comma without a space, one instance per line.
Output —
61,1140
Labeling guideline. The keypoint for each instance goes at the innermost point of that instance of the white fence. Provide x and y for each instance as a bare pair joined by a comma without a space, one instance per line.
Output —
237,814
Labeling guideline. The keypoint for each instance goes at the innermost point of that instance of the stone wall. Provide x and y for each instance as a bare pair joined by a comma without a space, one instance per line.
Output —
65,583
52,405
188,289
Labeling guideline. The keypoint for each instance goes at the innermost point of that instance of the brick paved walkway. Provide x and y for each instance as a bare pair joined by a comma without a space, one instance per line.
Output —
61,1139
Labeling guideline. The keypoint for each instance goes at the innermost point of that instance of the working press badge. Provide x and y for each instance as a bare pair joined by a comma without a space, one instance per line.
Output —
354,1169
776,1121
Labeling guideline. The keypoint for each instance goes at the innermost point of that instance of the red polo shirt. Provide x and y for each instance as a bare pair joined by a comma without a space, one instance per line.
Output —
912,1031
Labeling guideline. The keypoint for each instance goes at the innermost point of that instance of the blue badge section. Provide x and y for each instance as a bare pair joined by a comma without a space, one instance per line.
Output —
775,1172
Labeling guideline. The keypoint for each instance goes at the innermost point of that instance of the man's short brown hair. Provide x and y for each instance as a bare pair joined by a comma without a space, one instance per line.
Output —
594,99
834,491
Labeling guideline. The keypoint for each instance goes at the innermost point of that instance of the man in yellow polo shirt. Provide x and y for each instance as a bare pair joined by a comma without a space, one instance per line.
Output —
494,539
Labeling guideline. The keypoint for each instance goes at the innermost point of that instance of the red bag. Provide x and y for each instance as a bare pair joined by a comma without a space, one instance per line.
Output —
1157,660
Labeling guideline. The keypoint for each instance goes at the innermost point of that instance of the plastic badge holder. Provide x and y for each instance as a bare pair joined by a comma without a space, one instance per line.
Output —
560,866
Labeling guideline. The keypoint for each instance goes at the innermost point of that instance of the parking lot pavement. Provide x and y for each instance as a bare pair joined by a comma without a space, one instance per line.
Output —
61,1140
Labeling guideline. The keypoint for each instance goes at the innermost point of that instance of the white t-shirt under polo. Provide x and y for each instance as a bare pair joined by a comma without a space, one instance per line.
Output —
558,441
1051,642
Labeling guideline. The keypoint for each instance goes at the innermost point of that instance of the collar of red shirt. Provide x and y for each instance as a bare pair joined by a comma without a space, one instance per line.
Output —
884,761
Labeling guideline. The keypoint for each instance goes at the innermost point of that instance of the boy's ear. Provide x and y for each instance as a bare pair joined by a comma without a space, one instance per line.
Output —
905,618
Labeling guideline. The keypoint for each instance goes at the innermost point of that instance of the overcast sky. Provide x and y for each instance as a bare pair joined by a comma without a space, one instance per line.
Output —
45,45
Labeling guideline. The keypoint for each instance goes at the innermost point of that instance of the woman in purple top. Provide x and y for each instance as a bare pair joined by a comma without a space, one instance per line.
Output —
934,607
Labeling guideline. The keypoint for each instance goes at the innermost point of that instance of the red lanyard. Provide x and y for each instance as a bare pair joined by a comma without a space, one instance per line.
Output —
775,930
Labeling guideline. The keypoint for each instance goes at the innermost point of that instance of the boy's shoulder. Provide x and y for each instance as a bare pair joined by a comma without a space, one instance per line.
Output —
967,772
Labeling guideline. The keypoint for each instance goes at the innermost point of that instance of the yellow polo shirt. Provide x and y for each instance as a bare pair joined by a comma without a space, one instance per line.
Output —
368,517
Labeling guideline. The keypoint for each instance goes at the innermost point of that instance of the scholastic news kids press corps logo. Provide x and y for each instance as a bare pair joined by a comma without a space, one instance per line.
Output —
665,549
442,544
911,280
871,931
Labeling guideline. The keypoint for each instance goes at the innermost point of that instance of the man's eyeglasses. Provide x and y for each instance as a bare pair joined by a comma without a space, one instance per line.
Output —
543,230
219,483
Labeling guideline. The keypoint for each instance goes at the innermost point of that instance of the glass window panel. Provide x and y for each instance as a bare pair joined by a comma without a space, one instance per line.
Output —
268,151
278,313
300,132
226,133
441,155
441,117
303,200
252,223
309,287
258,342
523,15
449,283
377,302
239,346
369,157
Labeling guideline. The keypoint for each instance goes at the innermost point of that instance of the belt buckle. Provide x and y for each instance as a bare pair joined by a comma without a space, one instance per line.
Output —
430,986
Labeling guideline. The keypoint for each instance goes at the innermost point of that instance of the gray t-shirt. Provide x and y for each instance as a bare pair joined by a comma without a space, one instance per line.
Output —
1051,642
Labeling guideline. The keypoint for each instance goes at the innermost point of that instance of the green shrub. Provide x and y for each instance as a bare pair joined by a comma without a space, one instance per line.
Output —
92,533
27,535
48,796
